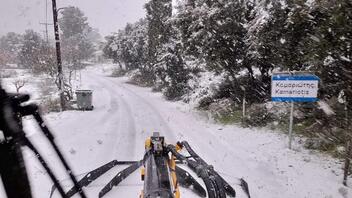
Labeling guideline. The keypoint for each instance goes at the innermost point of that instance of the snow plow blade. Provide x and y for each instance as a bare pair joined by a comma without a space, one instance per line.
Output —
186,180
162,174
245,188
214,182
93,175
119,177
211,178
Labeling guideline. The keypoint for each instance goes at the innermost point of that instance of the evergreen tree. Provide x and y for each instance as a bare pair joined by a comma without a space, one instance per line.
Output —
73,22
158,12
265,40
76,32
172,70
298,27
220,40
330,46
128,47
10,46
30,52
188,24
11,42
37,55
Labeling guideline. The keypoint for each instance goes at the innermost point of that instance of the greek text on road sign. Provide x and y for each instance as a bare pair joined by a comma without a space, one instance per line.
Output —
295,88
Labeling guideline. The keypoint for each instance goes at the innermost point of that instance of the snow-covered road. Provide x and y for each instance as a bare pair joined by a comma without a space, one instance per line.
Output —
125,115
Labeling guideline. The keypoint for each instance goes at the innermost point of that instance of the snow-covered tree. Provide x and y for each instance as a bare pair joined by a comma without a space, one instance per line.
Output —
128,47
30,51
330,46
76,36
10,46
158,33
36,54
171,70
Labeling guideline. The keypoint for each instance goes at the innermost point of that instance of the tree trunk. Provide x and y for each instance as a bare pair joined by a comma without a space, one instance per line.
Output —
347,162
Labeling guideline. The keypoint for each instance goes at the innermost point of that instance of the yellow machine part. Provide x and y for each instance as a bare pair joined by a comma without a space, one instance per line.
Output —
142,177
178,148
148,143
142,173
172,165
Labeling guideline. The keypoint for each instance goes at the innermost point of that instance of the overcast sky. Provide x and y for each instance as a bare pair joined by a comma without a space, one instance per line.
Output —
106,15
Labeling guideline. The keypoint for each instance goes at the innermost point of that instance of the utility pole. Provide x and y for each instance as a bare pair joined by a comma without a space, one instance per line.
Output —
58,56
46,22
244,106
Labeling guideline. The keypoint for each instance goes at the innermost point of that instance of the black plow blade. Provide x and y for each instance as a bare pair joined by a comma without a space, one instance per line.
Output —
119,177
91,176
245,188
186,180
216,185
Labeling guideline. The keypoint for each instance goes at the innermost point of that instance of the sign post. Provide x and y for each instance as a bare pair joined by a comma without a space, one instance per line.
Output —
290,127
294,87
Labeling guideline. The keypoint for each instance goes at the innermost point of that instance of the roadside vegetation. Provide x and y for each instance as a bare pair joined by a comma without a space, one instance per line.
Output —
218,54
34,56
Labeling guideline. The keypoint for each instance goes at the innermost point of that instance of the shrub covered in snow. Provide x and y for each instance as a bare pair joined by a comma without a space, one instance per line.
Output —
203,87
7,73
259,116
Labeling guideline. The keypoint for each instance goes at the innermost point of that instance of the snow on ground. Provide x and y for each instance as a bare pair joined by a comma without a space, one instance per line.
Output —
125,115
30,85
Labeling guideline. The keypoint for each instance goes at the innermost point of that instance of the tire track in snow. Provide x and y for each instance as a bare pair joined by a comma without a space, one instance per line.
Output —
121,122
158,120
192,133
203,139
107,109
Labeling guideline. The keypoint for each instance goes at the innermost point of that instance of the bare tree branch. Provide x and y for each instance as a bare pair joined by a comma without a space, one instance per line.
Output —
19,83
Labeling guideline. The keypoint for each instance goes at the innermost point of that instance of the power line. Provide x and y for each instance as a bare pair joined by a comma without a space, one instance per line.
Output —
46,22
46,30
